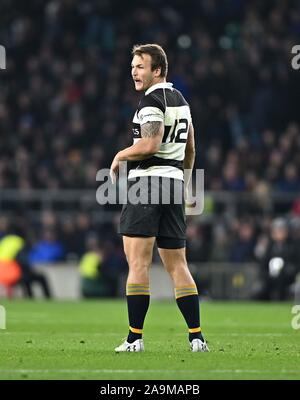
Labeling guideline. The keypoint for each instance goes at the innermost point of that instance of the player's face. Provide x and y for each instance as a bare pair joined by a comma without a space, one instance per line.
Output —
141,72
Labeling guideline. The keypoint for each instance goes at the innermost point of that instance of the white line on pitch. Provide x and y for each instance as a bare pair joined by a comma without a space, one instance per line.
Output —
133,371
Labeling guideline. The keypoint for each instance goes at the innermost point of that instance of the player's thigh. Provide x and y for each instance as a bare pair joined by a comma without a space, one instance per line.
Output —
138,250
173,258
174,261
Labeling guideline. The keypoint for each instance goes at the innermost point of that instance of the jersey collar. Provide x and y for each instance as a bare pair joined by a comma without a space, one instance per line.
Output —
161,85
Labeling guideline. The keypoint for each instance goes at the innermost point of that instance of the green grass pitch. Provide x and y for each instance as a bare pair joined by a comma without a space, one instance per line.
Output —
75,340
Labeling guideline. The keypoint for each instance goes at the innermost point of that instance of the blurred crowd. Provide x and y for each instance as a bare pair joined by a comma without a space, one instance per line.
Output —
235,239
67,101
54,239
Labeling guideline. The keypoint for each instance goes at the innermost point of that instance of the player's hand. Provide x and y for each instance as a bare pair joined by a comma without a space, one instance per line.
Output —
114,169
189,201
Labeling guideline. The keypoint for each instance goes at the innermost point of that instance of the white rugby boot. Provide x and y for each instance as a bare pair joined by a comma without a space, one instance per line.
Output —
198,345
137,345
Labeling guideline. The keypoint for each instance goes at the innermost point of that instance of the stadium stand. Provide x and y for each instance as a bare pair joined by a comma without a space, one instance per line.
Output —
67,101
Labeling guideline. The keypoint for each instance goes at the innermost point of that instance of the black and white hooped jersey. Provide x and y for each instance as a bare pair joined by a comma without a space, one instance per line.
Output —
163,103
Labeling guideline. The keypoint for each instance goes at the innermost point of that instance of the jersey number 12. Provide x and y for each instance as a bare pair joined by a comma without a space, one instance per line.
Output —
179,131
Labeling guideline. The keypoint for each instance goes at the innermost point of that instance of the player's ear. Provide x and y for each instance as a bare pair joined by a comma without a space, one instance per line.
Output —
157,72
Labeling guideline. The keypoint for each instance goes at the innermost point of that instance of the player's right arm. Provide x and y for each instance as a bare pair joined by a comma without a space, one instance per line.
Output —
190,154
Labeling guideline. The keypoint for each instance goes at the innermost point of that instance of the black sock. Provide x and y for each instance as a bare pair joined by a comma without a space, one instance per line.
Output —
188,303
138,299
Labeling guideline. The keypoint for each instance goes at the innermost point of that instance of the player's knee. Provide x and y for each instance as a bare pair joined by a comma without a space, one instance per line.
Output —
138,265
138,272
173,268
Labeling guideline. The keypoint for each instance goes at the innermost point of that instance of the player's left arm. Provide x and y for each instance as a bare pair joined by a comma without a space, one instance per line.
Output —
152,134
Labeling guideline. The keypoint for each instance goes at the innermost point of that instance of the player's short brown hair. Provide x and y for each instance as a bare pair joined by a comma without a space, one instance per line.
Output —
158,56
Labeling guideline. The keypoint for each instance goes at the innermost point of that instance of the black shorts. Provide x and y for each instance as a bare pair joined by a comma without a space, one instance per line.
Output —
156,208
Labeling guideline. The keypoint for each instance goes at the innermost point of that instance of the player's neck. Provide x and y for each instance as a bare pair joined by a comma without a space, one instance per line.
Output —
156,81
159,80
